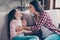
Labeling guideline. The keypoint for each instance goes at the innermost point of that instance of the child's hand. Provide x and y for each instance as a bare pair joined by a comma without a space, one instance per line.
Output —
27,28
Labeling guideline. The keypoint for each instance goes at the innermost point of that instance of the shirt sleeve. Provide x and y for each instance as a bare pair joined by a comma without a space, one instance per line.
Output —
50,25
40,23
46,21
12,29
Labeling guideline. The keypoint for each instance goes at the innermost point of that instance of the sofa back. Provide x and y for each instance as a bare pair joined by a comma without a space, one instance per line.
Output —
46,32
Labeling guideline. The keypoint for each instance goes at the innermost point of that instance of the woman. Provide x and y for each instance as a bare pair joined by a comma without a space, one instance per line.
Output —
43,19
18,26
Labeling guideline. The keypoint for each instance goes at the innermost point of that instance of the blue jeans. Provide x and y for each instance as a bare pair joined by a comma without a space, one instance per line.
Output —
53,37
25,38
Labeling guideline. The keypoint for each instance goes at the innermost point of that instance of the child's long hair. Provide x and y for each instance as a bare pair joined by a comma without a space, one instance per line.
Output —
10,17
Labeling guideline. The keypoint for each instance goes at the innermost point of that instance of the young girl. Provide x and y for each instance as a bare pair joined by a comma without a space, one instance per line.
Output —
18,26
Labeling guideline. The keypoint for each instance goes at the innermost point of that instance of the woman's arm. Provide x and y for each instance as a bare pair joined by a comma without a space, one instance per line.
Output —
49,24
21,30
40,23
52,27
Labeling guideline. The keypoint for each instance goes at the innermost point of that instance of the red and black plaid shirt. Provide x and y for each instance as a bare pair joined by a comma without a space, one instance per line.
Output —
45,21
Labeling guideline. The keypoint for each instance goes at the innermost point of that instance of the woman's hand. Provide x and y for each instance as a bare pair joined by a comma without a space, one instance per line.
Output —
27,28
25,31
56,30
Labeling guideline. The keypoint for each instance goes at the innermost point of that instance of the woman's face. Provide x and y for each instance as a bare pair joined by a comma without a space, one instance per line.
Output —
31,8
18,14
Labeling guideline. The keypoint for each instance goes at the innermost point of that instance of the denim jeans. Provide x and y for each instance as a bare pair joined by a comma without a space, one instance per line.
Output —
53,37
25,38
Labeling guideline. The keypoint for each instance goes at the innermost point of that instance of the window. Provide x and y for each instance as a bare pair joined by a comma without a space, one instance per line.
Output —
45,4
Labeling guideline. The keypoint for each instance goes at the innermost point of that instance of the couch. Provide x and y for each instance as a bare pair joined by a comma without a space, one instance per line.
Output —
45,31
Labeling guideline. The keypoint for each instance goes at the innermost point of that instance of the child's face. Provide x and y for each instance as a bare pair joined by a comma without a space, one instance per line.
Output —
18,14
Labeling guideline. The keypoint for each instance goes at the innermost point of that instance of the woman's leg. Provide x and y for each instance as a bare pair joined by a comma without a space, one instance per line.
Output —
25,38
33,37
53,37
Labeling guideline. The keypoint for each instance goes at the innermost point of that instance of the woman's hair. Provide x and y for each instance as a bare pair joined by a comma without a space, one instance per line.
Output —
37,6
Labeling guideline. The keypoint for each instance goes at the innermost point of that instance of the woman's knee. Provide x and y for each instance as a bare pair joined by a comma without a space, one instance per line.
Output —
36,37
53,37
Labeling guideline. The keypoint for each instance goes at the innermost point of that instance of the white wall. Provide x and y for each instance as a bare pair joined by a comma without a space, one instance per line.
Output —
57,2
51,4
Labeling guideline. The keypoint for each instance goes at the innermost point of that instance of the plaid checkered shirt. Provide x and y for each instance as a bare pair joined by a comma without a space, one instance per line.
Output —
46,21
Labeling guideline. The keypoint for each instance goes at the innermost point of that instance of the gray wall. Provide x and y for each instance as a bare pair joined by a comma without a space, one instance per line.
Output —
6,5
3,26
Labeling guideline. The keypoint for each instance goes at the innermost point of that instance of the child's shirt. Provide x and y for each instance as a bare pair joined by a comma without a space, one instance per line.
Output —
13,24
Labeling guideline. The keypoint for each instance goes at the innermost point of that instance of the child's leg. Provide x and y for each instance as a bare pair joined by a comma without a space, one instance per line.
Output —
25,38
53,37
